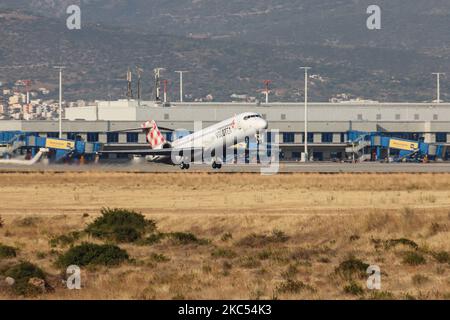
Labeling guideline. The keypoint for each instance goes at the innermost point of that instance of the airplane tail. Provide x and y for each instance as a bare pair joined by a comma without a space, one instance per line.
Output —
153,135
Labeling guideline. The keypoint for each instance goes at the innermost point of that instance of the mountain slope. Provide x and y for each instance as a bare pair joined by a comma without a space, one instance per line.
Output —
418,25
97,58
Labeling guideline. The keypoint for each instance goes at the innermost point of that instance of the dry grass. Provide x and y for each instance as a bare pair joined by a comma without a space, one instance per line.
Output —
326,218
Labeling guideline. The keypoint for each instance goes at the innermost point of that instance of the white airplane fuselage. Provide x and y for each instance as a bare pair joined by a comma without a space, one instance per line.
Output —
224,134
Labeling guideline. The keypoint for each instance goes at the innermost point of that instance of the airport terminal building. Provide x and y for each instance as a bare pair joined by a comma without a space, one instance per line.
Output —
329,124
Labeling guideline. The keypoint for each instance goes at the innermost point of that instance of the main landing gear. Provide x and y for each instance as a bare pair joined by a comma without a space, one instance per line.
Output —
216,165
184,166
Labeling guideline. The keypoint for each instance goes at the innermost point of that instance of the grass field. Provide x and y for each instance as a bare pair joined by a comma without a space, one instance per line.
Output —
288,236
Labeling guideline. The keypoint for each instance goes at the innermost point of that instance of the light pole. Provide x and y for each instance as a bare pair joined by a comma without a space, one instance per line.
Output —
60,99
181,84
438,79
306,113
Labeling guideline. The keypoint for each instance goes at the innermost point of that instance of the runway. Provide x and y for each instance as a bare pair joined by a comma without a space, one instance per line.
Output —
317,167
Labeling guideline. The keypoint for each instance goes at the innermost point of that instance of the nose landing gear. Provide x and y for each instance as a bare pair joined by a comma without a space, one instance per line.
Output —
184,166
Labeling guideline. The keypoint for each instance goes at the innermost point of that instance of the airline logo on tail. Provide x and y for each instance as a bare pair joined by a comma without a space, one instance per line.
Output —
154,136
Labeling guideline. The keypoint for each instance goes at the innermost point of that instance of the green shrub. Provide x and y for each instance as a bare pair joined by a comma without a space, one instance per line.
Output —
28,222
186,238
120,225
259,240
352,268
354,289
7,251
394,242
293,286
152,239
65,239
93,254
390,243
22,273
442,257
413,258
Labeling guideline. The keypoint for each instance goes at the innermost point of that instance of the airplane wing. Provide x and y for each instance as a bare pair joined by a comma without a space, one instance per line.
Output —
154,152
139,129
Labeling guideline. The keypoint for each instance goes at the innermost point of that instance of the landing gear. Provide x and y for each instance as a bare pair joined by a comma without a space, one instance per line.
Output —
184,166
216,165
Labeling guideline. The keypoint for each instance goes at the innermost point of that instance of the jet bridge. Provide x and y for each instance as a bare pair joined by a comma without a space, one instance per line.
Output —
377,146
16,145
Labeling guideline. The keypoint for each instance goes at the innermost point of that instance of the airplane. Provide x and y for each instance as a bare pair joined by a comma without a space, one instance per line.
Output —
220,136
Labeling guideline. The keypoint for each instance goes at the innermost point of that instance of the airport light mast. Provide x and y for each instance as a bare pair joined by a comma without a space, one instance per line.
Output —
267,83
60,68
181,83
157,72
305,139
139,72
438,85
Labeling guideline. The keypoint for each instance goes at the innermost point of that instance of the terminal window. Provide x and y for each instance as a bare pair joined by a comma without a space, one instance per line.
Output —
441,137
310,137
132,137
112,137
416,116
52,134
288,137
92,137
166,116
379,116
72,136
397,117
435,117
327,137
283,116
360,117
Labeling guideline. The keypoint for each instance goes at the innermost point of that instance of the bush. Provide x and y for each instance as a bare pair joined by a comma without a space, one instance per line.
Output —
93,254
186,238
413,258
293,286
22,273
7,251
354,289
352,268
65,240
28,222
120,225
394,242
442,257
152,238
259,240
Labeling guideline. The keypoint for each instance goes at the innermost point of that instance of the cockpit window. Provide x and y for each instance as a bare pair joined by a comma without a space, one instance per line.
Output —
252,116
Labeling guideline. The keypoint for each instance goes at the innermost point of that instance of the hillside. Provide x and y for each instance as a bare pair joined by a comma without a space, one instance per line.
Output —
98,55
